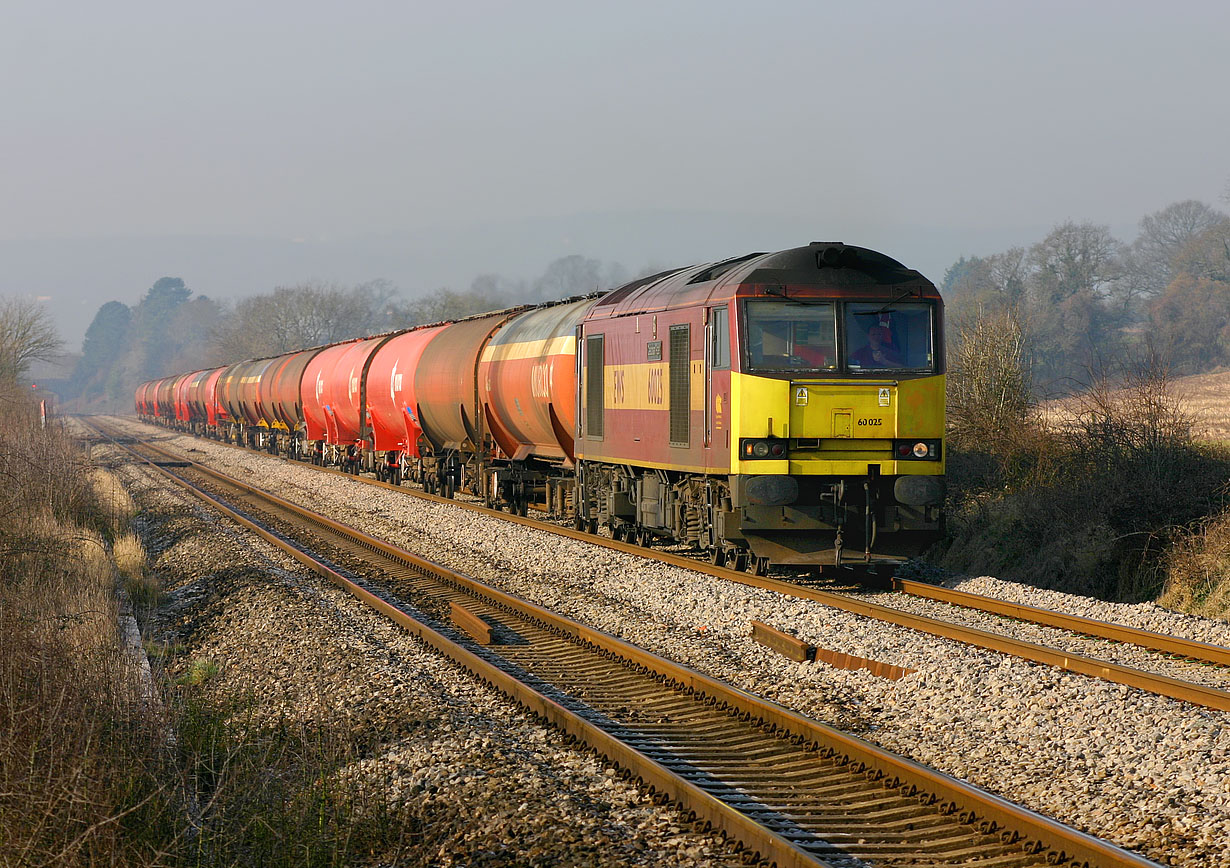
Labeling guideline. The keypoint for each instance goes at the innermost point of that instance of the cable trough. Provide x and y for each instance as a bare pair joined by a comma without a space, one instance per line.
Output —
789,790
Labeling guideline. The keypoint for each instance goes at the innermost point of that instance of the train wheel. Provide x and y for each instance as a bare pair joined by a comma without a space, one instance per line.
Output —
591,526
758,566
717,557
739,562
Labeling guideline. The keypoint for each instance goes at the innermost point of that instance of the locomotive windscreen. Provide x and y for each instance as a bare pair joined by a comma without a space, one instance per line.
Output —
880,337
791,335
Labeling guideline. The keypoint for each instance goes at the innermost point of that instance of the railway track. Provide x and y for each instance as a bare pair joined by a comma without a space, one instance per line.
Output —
1171,646
792,791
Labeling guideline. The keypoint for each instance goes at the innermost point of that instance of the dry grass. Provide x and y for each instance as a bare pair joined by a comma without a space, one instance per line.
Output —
79,763
88,775
139,582
1198,570
1204,399
113,500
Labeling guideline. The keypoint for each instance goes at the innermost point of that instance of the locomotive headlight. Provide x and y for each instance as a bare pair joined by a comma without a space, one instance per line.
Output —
760,449
917,450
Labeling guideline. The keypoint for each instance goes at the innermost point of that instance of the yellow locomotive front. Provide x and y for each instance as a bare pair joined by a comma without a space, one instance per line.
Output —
836,410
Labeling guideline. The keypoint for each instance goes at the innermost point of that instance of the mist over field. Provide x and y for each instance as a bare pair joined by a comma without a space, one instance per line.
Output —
240,149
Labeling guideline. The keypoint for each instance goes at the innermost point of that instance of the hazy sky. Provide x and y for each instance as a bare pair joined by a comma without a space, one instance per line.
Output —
322,121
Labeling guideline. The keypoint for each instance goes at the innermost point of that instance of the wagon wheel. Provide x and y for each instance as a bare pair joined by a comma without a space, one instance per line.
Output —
717,556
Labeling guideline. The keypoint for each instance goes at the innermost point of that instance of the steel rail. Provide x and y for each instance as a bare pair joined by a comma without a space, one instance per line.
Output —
1162,685
1189,649
987,812
762,842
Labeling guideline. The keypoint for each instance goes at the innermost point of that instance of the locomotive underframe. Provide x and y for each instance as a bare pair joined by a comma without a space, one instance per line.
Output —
828,520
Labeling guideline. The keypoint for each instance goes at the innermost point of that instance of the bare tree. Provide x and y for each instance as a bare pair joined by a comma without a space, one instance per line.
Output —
1071,274
26,335
577,275
305,315
1208,254
990,384
1190,323
1149,264
1073,258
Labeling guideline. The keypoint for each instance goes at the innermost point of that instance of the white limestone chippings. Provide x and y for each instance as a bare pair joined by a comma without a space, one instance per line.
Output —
1149,773
490,785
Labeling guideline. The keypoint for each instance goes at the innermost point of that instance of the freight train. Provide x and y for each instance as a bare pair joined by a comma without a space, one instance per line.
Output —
775,408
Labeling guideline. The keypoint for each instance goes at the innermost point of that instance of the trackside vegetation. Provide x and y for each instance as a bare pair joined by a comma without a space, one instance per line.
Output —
1107,494
95,771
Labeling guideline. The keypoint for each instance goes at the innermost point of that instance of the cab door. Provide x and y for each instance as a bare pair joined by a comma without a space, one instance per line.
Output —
717,387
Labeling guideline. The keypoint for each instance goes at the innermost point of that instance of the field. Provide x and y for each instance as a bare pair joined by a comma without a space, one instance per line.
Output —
1204,399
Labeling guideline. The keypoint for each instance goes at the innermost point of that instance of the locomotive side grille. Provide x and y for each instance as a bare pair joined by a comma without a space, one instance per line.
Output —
681,384
594,376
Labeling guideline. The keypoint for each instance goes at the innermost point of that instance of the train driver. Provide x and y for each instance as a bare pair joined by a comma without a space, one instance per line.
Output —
878,352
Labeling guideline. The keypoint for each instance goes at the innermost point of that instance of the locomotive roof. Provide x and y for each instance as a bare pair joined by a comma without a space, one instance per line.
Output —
828,265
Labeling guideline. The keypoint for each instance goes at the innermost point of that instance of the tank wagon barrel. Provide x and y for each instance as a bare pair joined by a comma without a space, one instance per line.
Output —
779,407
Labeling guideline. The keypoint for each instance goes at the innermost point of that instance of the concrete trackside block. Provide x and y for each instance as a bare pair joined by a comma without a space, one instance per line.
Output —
471,623
840,660
783,643
798,650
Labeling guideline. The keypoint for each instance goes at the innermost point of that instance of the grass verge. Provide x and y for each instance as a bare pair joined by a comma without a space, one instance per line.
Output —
89,774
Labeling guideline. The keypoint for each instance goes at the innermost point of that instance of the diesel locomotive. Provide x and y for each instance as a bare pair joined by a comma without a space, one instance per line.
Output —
774,408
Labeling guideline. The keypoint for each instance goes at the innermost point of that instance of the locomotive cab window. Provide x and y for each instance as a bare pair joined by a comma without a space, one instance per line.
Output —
719,331
791,335
894,337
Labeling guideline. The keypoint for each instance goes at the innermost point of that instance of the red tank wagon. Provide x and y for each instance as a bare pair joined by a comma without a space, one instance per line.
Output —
527,386
393,403
446,383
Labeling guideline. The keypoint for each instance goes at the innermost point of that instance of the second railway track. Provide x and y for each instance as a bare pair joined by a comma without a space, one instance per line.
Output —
795,791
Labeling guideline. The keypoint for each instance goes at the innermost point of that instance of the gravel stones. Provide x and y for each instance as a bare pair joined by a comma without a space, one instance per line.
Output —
1146,772
488,783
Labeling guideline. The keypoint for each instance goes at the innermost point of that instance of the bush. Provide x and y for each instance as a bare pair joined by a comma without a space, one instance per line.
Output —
1090,506
1197,569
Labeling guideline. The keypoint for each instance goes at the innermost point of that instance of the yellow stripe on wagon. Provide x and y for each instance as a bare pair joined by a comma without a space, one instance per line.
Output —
563,345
